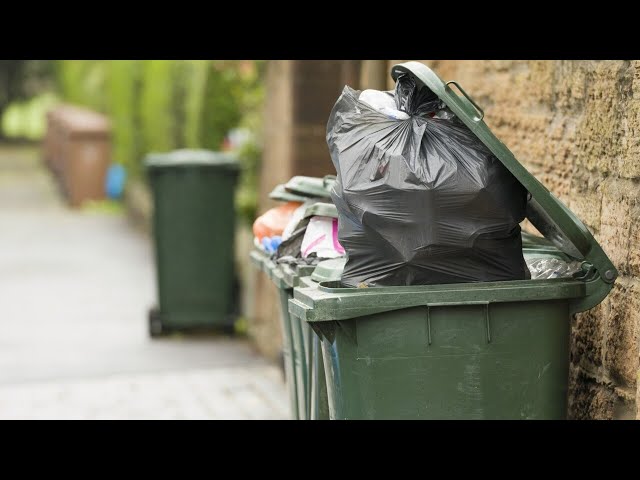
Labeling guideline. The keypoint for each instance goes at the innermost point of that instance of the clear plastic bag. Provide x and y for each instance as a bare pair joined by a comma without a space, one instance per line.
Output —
546,268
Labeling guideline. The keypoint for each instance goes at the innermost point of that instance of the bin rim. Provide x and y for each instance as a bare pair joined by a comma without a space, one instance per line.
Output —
584,290
328,301
280,194
311,186
258,258
329,270
187,157
291,274
546,212
324,271
273,271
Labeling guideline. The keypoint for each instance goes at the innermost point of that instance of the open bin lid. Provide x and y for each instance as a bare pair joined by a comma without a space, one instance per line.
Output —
321,209
311,186
548,214
192,157
280,193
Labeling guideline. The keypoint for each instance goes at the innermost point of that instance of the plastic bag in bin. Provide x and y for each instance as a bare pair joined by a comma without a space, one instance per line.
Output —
421,200
268,228
321,238
274,221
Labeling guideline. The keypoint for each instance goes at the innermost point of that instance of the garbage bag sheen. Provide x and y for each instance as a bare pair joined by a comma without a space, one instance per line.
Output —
422,200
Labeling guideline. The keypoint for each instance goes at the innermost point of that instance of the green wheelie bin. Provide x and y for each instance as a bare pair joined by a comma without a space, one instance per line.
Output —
298,189
304,369
193,231
262,261
285,278
494,350
326,271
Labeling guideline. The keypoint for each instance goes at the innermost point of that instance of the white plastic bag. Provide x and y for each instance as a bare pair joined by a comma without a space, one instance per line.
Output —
383,102
321,238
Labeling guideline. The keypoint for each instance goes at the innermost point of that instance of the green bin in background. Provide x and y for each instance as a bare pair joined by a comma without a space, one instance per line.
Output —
493,350
193,231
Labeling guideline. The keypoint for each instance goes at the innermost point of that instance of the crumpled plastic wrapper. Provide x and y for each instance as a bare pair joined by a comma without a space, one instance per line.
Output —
546,268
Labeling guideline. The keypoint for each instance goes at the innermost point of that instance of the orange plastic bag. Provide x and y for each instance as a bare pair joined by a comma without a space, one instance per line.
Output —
274,221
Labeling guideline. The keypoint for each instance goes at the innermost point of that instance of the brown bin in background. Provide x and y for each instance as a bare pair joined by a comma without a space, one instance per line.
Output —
53,154
49,140
83,153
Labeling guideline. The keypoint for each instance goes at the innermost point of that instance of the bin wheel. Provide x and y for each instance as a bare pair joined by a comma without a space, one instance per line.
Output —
156,329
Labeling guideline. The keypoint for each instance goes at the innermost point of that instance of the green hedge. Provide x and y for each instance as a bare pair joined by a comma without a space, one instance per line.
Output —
157,121
160,105
195,81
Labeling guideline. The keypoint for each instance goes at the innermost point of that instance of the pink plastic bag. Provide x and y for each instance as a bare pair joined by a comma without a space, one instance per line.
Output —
321,238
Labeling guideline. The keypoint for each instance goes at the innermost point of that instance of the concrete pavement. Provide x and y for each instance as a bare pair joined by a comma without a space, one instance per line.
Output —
75,287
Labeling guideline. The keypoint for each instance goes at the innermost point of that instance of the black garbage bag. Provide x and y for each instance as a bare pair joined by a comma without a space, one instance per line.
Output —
421,201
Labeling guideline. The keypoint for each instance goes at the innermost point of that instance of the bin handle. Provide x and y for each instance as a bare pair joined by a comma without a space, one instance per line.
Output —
466,95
